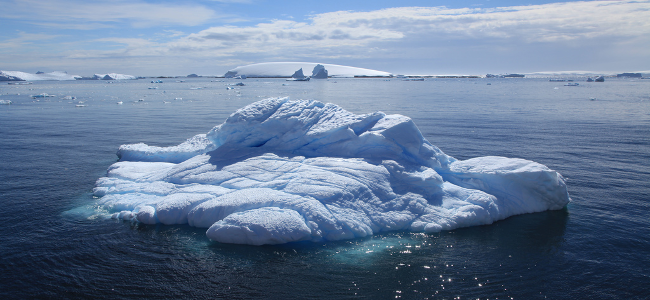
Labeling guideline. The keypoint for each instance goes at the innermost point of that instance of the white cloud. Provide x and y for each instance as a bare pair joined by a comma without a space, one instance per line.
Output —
136,13
282,35
351,34
25,40
533,23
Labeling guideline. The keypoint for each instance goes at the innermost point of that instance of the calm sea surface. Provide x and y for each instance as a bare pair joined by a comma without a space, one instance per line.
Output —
597,135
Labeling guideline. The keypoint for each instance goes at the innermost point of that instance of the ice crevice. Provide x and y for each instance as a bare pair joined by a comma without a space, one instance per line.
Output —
279,171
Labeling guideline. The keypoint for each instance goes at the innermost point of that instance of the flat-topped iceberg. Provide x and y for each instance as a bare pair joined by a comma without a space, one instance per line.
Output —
279,171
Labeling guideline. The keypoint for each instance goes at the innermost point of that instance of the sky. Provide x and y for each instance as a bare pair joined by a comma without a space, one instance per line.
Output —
210,37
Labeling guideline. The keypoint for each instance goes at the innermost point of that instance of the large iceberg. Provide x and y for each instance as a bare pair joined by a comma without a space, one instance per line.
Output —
285,69
279,171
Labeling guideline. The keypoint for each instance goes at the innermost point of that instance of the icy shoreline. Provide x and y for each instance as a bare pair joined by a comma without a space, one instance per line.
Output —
23,76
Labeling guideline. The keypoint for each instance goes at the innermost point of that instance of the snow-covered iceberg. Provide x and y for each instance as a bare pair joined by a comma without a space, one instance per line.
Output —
22,76
279,171
285,69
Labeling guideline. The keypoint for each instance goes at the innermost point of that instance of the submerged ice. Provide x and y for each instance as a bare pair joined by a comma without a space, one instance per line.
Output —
279,171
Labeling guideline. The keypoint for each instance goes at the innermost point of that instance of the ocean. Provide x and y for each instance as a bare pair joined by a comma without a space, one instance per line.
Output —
597,135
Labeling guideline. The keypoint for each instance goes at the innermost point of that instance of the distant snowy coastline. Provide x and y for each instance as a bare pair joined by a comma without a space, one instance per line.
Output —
286,69
57,75
109,76
23,76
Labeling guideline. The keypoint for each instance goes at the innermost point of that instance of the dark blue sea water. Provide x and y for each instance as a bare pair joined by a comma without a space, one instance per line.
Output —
596,134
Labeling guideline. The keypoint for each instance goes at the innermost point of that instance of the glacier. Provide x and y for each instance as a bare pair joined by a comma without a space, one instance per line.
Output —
57,75
280,170
23,76
285,69
111,76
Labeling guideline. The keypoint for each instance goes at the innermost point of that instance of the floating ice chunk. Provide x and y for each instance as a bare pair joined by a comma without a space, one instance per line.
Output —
279,171
43,95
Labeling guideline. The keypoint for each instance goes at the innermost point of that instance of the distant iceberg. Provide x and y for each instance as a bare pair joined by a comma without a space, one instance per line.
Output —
279,171
299,76
22,76
319,72
286,69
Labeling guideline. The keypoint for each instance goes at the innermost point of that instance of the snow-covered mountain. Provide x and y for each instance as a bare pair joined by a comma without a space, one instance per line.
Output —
57,75
22,76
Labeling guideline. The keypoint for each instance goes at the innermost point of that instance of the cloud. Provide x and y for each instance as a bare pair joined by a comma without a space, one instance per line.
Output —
138,14
283,35
345,32
606,32
25,40
532,23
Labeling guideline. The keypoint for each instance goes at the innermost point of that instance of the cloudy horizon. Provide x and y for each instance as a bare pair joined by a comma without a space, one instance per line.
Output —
211,37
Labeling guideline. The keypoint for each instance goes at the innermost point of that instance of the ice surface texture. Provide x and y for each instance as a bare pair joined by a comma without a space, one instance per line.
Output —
279,171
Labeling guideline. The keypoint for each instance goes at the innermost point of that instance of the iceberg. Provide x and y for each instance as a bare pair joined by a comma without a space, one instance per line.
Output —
319,72
22,76
279,171
298,76
285,69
